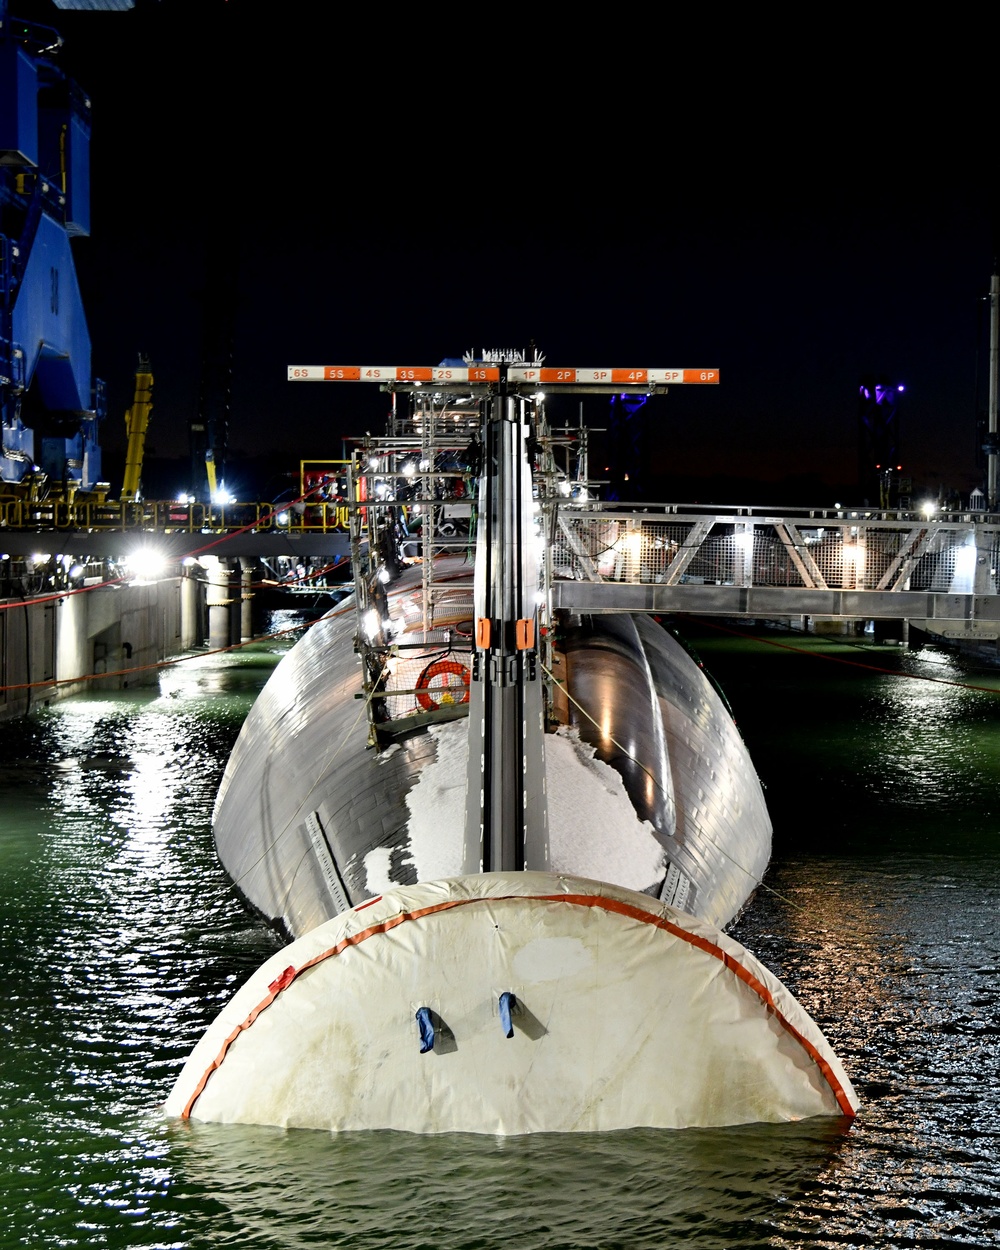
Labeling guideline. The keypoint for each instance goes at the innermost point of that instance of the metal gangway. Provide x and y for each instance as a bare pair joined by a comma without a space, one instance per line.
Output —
938,571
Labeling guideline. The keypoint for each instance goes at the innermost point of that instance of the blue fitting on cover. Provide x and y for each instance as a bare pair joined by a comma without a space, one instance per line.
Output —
507,1004
426,1026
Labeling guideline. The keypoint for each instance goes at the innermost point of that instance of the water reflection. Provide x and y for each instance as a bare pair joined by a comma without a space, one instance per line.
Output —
897,963
924,732
121,938
716,1188
117,931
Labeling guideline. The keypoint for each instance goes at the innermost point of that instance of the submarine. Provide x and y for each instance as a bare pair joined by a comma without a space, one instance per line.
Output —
504,844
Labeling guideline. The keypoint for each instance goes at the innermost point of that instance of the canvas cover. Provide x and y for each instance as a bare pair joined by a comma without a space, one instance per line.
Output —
620,1010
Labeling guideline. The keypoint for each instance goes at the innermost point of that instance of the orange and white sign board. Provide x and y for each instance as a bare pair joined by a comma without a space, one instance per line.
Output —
532,374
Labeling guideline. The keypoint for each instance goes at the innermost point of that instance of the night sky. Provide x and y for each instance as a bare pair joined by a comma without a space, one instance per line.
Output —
370,189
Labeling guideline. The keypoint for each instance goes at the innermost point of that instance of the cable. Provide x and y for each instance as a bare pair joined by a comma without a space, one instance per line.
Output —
61,594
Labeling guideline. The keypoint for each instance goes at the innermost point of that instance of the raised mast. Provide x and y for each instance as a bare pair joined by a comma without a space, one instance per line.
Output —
505,826
991,480
506,822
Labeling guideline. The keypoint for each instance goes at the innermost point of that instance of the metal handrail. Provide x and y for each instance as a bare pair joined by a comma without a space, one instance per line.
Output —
827,513
164,516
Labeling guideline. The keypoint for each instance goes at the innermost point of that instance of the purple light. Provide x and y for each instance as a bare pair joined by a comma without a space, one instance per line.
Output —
900,388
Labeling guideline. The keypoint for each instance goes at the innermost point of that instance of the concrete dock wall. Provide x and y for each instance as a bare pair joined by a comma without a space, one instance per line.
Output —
110,638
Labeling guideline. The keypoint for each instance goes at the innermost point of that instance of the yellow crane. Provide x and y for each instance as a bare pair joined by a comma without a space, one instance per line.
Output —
136,425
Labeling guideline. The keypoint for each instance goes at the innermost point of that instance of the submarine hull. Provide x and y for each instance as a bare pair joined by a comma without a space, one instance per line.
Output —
648,786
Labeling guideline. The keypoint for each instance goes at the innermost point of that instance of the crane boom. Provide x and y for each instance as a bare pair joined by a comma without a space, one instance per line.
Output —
136,425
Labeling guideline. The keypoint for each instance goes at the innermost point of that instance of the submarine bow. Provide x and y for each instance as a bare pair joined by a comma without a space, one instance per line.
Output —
509,1004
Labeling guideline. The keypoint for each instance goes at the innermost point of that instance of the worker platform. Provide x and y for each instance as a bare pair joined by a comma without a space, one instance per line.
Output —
111,529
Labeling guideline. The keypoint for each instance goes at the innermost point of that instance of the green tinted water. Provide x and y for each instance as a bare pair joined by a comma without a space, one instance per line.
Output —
121,937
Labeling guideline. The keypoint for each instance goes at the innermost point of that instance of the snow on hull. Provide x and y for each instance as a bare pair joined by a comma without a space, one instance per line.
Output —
593,828
310,821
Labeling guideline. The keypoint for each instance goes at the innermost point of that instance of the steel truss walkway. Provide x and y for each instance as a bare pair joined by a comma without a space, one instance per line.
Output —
940,573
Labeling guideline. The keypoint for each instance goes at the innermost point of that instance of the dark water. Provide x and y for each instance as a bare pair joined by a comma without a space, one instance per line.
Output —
121,938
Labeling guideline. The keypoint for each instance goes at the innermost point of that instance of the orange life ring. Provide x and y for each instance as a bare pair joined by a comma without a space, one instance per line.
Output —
435,670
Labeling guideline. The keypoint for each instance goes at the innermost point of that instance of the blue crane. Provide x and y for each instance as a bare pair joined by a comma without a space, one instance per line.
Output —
50,406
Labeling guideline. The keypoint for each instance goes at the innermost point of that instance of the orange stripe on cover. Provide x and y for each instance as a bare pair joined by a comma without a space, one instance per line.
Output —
578,900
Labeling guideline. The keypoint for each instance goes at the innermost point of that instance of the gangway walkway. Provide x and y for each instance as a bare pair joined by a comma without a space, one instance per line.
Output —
937,571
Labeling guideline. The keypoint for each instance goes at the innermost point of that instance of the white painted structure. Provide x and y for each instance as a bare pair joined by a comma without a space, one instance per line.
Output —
625,1013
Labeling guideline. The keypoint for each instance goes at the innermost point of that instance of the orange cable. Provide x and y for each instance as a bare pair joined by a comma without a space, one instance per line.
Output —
59,594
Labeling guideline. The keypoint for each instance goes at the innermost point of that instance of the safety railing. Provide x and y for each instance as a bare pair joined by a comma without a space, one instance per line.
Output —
845,551
160,516
805,513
